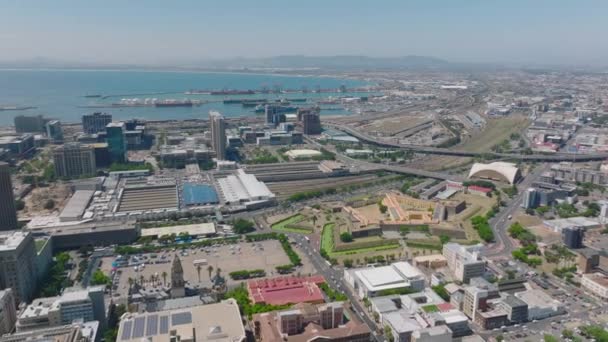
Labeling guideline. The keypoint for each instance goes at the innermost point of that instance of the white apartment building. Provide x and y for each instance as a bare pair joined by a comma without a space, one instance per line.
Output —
74,304
596,283
464,261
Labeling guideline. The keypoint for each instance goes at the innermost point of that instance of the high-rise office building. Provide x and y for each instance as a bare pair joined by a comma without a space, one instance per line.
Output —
531,199
74,160
54,131
8,311
573,237
8,213
30,124
218,134
96,122
18,264
311,121
73,304
117,141
464,261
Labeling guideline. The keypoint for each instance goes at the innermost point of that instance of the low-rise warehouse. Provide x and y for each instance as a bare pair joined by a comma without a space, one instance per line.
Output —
302,154
373,281
141,194
244,189
199,229
540,304
76,206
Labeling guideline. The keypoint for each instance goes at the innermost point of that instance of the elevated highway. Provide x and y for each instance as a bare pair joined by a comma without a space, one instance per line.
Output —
556,157
367,166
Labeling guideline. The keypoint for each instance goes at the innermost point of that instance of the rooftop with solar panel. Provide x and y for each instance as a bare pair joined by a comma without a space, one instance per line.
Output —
212,322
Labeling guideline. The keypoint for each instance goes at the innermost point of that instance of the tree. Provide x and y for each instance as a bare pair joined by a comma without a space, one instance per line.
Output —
314,220
49,204
242,226
382,207
346,237
444,239
388,333
198,271
549,338
566,333
112,316
164,275
99,278
348,263
210,270
19,204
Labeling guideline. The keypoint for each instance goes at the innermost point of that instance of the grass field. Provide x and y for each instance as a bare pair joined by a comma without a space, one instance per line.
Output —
496,131
327,238
287,225
327,243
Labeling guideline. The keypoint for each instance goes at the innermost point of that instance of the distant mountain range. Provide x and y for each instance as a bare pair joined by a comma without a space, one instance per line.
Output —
291,63
346,62
330,62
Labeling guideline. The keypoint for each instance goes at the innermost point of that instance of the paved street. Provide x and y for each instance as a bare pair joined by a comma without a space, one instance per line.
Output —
500,223
334,277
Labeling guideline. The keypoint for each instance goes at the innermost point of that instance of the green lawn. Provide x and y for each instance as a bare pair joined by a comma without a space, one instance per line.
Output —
430,308
327,238
284,225
327,243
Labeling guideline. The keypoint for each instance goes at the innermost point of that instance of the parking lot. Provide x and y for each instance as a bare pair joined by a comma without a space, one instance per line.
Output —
229,258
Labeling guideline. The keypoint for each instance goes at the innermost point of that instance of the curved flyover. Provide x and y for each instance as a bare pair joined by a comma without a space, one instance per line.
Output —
448,152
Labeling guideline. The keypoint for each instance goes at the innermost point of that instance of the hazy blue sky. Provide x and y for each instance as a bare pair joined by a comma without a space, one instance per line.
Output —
155,31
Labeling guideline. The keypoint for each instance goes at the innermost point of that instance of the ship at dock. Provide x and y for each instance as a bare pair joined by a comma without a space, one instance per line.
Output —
232,92
9,108
153,102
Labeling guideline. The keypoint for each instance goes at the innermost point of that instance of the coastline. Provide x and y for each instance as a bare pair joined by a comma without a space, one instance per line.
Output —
190,71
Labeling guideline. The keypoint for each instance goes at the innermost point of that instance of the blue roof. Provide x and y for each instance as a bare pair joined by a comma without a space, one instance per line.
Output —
199,194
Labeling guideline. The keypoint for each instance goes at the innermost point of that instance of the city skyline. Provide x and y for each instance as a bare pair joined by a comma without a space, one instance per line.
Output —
188,32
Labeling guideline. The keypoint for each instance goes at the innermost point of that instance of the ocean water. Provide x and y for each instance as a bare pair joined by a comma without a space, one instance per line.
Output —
60,94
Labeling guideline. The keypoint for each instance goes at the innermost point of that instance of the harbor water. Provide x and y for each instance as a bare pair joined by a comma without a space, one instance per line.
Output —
67,94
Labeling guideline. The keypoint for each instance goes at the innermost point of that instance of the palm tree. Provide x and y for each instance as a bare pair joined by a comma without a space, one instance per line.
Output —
218,271
198,271
164,278
314,220
130,281
141,280
210,270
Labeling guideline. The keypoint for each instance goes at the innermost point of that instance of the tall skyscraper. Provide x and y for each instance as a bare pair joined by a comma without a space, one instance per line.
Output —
311,123
573,237
269,112
18,264
74,160
8,213
218,134
8,311
96,122
30,124
117,141
54,131
531,199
